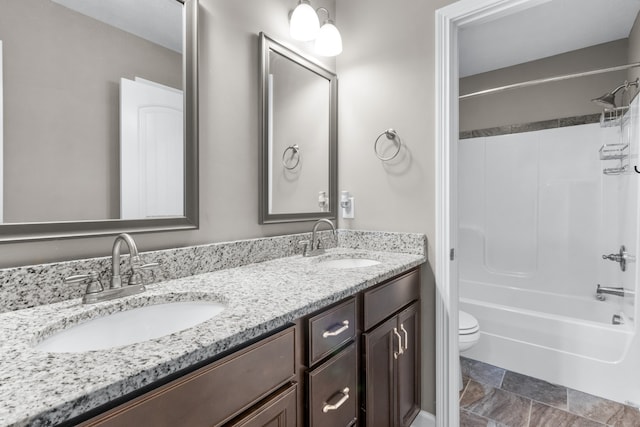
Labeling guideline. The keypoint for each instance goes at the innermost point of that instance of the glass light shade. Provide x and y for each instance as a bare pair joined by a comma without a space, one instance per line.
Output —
304,24
329,40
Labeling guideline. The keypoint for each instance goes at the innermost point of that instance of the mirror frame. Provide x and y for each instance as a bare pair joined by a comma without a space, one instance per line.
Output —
16,232
268,44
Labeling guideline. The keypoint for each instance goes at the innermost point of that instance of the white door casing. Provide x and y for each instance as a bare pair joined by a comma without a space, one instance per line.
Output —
1,141
151,150
449,20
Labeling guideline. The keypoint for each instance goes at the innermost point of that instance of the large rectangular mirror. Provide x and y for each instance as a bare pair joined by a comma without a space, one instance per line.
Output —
299,136
99,117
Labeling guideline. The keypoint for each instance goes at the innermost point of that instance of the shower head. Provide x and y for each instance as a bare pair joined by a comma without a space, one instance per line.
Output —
608,100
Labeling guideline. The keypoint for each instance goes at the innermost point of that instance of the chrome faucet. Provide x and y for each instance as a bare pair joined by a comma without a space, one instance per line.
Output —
315,247
95,292
134,260
602,290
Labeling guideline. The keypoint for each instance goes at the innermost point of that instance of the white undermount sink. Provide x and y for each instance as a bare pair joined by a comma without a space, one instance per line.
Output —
348,263
131,326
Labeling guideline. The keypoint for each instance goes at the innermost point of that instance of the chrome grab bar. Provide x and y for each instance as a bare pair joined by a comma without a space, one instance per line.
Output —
341,329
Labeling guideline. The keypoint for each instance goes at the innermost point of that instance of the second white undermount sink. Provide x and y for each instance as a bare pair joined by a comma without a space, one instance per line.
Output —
349,263
131,326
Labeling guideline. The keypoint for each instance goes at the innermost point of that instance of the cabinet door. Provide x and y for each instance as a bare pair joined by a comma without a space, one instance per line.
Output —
379,346
280,411
408,366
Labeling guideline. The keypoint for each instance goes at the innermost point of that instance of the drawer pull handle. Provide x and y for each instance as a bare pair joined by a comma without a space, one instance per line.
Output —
406,337
341,329
400,351
345,396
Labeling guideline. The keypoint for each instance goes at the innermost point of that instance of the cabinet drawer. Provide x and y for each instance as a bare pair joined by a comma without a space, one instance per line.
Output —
333,391
215,393
385,300
331,329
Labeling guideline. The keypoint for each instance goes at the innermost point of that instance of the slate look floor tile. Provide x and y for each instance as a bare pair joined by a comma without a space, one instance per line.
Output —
494,397
546,416
482,372
594,407
535,389
629,417
496,404
468,419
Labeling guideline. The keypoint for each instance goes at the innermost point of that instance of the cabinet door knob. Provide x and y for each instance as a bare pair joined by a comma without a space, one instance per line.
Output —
400,351
345,396
333,333
406,337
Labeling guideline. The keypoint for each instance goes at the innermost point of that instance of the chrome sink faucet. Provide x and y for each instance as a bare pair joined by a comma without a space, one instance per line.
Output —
315,247
95,292
134,260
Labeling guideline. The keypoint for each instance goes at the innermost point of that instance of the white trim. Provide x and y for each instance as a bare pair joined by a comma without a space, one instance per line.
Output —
1,141
424,419
449,20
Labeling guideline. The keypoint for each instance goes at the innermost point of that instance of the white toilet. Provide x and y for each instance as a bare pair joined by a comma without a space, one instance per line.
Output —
468,334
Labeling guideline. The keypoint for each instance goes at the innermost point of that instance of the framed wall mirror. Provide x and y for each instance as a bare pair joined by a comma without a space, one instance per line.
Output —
100,117
298,164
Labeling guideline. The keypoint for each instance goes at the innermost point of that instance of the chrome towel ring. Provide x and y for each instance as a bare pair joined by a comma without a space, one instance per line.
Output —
295,154
391,134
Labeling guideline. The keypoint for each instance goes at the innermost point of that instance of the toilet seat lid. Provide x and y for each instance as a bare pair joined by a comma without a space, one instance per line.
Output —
467,324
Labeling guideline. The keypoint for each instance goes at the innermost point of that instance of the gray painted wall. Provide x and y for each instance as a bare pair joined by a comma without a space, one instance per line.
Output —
229,136
547,101
386,75
634,49
62,75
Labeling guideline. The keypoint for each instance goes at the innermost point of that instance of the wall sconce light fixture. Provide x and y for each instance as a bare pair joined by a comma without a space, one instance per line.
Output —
304,25
328,40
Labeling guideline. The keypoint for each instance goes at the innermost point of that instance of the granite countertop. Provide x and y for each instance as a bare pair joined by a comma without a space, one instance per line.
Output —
38,388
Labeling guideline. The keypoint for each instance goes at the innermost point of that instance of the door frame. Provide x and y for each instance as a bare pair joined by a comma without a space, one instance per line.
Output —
449,21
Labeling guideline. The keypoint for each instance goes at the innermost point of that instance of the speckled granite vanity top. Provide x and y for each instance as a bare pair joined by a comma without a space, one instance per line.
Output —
38,388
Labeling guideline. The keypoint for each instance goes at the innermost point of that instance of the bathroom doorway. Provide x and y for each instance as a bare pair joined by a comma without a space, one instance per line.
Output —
523,261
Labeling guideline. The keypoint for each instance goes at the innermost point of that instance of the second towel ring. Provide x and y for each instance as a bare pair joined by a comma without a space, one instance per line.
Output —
392,135
296,150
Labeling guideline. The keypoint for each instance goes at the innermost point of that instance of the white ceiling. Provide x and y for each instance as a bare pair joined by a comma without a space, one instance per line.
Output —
554,27
159,21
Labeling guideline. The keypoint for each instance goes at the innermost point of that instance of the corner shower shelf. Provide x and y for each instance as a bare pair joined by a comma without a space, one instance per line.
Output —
611,117
614,151
618,152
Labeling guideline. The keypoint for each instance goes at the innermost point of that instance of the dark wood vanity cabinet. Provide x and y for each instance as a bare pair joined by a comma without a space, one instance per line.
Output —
279,411
258,379
391,353
355,363
332,366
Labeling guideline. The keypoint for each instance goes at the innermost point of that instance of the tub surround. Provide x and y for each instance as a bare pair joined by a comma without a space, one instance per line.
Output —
261,290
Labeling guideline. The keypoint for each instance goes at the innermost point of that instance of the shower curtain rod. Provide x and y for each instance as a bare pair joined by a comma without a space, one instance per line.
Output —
548,80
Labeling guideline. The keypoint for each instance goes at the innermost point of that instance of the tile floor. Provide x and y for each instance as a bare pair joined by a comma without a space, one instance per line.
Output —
495,397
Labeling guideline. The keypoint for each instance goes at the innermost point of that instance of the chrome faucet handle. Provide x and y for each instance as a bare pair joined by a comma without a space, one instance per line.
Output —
136,270
304,244
91,279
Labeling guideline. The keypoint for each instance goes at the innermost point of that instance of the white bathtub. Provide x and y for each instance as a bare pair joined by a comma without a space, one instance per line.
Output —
564,340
